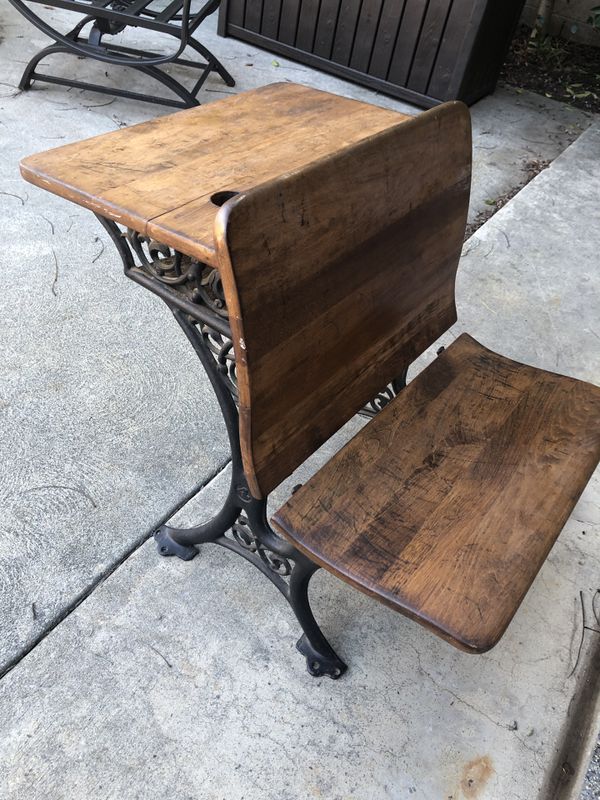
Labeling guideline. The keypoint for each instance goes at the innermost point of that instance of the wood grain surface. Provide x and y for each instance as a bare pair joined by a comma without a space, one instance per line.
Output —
158,177
447,503
337,276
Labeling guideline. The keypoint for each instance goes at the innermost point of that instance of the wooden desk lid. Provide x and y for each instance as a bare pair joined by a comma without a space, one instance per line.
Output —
158,177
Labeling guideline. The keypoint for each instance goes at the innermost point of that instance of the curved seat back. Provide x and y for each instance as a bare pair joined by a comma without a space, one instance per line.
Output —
337,277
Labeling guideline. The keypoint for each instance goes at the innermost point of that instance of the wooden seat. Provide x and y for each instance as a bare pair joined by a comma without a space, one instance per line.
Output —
337,277
446,504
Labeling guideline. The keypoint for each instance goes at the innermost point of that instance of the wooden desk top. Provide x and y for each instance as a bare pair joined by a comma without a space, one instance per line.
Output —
158,177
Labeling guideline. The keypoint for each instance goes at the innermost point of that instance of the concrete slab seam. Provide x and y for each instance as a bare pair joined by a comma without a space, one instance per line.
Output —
88,590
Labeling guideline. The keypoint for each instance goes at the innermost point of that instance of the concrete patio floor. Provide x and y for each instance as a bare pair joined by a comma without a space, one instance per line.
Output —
130,676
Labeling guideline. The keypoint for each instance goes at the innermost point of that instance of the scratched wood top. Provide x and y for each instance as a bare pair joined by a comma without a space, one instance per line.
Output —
446,505
158,177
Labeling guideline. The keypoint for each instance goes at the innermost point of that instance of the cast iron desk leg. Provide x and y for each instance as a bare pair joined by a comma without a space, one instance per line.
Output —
192,291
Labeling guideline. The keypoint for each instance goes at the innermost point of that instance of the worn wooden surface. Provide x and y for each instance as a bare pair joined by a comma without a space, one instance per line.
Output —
158,177
337,277
446,505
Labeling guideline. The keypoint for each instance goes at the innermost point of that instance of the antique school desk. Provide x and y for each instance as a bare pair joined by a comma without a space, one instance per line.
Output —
307,244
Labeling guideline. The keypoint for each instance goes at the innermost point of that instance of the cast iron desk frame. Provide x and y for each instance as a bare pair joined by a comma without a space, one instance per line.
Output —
192,290
176,259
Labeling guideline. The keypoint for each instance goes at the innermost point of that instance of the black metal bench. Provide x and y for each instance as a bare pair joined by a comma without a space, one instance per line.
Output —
176,18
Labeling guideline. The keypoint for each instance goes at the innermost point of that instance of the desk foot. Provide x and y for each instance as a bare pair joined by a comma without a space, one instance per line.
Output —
167,546
321,658
319,663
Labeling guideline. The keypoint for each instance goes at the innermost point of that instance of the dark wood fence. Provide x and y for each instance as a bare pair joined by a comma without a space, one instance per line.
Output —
424,51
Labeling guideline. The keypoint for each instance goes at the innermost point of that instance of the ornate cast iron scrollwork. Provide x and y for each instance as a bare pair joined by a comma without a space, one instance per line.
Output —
384,397
173,275
222,349
242,533
377,403
200,282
